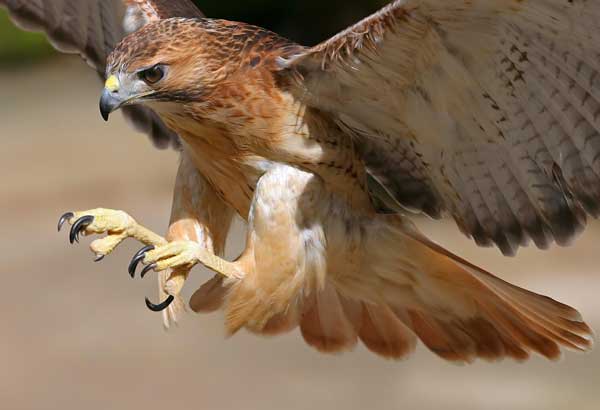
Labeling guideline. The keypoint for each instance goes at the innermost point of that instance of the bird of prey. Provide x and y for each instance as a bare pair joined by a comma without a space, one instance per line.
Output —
484,110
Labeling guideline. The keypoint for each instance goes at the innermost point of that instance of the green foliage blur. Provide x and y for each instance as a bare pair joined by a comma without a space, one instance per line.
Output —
305,21
17,46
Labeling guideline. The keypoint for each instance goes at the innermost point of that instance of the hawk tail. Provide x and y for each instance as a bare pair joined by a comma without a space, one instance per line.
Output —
409,288
463,312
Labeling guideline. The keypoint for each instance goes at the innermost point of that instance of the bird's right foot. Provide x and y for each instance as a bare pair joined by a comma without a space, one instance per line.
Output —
118,226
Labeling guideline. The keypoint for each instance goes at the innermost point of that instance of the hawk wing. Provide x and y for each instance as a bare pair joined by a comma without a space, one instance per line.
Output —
488,110
92,28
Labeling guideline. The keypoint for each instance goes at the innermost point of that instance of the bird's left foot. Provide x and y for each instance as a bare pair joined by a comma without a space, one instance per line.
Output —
179,256
174,255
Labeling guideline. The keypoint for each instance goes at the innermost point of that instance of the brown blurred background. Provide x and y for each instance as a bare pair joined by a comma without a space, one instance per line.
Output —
77,335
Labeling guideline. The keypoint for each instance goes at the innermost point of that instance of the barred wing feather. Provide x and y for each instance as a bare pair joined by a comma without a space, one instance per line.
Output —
488,110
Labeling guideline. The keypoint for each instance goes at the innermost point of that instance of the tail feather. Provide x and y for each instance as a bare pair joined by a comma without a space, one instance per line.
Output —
551,318
523,334
493,343
547,326
333,323
498,311
325,325
210,296
282,322
383,333
447,340
458,310
489,342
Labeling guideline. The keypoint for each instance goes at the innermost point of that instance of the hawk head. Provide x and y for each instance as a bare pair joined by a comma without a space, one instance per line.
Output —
171,60
207,64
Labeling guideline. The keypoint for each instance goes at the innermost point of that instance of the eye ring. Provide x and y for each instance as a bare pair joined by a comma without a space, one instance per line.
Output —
152,75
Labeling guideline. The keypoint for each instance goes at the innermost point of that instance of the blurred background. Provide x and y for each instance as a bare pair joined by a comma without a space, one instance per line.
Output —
77,335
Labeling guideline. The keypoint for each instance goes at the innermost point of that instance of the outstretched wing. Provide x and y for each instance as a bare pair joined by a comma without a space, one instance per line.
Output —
486,109
92,28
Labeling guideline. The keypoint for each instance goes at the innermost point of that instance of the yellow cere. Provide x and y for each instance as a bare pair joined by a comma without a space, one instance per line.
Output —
112,84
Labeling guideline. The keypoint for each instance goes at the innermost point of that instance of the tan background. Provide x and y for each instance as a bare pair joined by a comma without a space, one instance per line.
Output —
77,335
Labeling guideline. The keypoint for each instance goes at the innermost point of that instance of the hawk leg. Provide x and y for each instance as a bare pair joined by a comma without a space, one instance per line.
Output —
158,254
118,226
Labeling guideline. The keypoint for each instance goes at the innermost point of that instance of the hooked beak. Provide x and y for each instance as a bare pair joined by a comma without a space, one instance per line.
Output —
110,100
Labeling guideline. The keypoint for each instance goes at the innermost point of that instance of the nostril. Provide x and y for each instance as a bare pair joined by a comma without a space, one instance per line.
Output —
112,84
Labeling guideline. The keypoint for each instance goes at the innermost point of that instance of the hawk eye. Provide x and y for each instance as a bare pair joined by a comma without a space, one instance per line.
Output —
152,75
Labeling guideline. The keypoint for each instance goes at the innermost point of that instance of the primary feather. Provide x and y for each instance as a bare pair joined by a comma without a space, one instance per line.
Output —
485,109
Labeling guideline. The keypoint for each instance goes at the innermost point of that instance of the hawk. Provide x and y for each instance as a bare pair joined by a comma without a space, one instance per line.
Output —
484,110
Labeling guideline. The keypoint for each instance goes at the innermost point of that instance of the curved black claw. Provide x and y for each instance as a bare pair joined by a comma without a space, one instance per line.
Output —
99,258
161,306
137,258
147,269
79,226
64,218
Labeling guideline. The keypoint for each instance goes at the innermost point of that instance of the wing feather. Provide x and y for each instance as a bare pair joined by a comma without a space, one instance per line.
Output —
488,110
162,9
92,28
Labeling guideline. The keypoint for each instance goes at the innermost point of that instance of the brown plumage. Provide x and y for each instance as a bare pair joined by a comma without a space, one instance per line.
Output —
464,107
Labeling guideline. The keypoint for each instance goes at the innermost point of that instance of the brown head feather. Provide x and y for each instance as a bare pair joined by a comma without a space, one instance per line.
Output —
201,53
